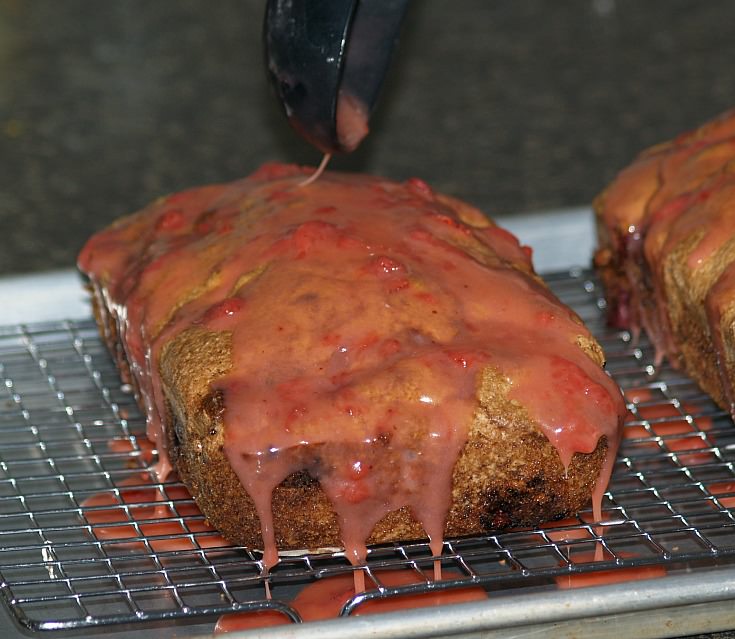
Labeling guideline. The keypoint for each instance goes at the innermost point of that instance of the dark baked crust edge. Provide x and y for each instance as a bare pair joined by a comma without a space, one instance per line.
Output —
508,474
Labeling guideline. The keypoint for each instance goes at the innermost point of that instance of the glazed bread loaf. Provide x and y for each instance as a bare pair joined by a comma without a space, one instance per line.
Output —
666,256
352,361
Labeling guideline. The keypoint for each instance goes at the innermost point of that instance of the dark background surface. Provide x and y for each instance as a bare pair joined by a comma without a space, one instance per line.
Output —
515,106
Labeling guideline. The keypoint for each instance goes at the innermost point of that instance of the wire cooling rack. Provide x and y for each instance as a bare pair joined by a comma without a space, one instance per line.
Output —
88,537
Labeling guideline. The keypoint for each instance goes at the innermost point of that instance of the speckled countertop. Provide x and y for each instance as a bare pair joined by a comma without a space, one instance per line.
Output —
515,106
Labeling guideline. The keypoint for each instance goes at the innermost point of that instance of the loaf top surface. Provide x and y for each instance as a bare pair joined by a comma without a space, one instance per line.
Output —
355,309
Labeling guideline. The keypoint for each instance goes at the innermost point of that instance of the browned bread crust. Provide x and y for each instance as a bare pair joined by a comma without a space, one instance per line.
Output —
508,474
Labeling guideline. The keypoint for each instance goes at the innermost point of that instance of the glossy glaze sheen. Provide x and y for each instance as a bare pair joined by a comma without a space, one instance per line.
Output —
361,312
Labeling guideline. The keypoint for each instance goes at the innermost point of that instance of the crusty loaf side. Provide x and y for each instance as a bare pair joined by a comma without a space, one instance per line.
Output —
507,475
355,361
666,248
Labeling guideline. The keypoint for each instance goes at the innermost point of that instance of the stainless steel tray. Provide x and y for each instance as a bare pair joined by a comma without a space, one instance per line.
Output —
669,509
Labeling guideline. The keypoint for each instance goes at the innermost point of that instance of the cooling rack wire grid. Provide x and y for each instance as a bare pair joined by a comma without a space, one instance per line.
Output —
89,537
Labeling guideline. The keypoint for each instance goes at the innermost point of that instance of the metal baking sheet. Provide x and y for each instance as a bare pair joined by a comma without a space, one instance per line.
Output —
669,507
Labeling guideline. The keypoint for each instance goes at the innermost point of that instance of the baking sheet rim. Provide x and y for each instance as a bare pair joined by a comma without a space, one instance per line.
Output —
527,614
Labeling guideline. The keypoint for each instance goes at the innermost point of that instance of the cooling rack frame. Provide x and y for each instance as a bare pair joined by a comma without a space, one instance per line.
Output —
696,595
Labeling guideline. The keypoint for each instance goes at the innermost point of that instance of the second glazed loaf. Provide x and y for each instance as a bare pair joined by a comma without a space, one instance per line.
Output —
667,252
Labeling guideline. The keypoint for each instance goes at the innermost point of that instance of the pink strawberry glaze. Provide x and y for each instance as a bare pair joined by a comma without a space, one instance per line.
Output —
371,310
